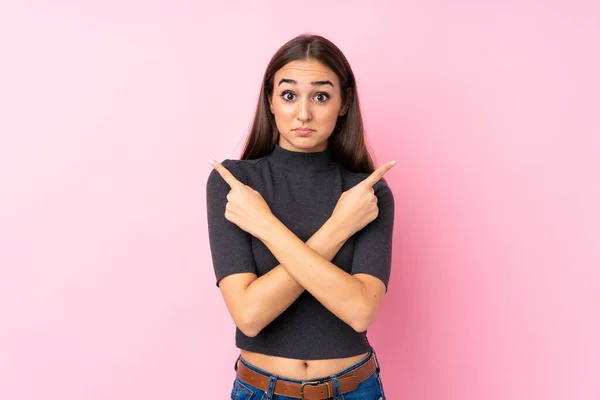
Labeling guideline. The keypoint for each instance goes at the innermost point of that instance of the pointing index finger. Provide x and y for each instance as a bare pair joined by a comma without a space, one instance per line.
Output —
378,173
225,174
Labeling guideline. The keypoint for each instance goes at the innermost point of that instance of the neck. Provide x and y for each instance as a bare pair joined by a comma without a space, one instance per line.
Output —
297,161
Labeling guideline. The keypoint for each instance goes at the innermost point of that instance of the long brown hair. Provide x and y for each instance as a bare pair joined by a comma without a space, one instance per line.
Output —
346,142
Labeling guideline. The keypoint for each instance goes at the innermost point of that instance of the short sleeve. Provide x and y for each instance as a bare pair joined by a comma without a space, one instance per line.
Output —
230,246
373,243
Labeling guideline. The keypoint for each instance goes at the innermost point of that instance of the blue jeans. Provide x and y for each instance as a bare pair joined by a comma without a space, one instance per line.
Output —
369,389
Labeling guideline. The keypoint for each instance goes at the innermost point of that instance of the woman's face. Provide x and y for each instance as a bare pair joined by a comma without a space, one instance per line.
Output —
306,94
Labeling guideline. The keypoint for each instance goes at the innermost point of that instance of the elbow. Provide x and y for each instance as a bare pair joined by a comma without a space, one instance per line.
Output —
249,330
362,319
248,325
360,324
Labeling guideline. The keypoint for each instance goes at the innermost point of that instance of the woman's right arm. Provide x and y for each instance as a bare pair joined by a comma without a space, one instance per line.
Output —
254,302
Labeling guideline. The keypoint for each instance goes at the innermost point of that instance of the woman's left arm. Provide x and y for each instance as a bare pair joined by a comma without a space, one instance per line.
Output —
353,297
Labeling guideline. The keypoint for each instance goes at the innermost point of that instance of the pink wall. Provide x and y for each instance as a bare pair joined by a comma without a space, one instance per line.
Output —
109,113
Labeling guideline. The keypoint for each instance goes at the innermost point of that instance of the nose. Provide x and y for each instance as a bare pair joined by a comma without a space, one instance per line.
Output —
304,111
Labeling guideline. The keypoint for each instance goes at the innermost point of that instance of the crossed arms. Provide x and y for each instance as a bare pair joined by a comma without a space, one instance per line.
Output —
254,302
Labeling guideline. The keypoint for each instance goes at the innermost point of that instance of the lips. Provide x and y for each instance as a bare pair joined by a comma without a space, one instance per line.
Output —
304,131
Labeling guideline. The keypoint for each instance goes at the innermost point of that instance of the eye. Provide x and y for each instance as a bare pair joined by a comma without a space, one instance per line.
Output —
286,93
322,94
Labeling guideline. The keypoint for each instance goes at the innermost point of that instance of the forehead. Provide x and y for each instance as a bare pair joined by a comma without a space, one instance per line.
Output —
305,71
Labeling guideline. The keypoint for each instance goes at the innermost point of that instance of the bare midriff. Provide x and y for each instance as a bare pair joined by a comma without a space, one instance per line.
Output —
300,369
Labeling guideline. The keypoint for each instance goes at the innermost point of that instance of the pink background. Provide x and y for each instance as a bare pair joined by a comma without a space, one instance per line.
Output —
109,112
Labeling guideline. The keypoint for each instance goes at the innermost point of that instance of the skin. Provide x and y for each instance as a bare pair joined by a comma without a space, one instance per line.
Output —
305,105
254,302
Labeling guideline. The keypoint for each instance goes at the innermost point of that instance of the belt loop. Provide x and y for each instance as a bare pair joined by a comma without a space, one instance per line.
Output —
235,366
271,390
376,361
336,387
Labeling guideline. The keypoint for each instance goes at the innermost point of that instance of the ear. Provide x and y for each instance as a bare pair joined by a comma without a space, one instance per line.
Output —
344,109
270,103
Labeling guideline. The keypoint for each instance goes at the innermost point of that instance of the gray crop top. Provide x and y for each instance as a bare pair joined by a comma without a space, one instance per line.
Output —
302,190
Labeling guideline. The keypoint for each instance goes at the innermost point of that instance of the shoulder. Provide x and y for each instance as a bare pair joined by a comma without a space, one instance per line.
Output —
243,170
239,169
353,178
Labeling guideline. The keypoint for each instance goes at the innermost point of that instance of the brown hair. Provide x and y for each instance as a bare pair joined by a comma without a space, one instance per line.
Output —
346,142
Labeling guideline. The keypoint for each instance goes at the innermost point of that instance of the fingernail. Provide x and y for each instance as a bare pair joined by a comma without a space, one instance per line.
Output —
211,161
393,162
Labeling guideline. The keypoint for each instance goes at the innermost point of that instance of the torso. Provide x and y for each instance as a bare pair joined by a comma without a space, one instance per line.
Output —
306,341
300,369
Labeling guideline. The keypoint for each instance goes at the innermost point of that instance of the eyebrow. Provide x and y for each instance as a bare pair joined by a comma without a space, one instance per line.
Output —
315,83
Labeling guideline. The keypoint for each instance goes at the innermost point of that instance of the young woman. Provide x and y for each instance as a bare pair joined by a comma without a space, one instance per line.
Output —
300,231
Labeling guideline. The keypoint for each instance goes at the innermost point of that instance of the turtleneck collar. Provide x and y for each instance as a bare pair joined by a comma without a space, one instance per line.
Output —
297,161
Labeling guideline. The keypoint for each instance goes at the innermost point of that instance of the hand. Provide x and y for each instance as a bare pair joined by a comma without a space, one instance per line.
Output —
357,206
245,206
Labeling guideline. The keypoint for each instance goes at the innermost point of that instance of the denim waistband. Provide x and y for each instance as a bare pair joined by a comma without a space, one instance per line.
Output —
316,380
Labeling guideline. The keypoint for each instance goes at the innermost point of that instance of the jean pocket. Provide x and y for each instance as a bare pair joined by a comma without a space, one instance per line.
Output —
241,391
